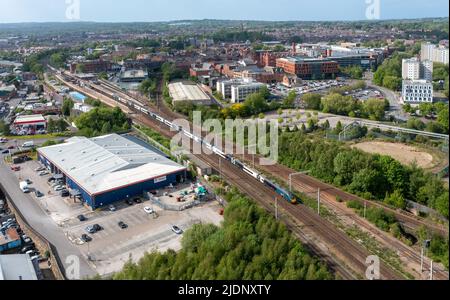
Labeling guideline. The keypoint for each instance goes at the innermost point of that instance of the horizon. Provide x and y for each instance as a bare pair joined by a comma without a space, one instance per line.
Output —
154,11
221,20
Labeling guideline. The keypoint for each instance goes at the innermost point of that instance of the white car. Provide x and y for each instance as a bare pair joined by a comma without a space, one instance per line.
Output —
177,230
59,188
148,210
112,208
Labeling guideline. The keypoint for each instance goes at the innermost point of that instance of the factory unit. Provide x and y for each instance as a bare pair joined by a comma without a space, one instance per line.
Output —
103,170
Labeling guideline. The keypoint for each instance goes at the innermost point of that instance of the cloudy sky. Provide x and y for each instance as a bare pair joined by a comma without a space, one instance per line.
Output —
12,11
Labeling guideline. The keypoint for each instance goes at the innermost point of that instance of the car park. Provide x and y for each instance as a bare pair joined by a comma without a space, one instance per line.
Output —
176,229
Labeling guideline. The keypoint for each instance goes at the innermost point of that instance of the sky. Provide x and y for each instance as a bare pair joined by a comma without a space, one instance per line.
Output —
15,11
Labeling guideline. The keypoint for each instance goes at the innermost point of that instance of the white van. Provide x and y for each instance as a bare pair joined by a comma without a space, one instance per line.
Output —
28,145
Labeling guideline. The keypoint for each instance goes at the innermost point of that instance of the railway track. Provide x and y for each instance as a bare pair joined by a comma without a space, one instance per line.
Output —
405,251
340,244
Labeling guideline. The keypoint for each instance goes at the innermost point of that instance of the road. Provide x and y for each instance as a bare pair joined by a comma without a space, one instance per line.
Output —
41,222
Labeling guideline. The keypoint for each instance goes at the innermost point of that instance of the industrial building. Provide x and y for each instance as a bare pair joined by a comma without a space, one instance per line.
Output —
30,123
18,267
134,76
184,91
107,169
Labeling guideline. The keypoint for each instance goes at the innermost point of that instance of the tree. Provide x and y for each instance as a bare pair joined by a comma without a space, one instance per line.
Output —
289,101
443,117
338,104
374,109
312,101
67,106
396,199
4,128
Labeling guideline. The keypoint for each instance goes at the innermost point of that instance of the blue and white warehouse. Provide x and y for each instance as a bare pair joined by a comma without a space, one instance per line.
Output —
107,169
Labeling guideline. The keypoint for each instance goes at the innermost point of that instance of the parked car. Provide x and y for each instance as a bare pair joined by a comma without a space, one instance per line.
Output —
177,229
98,227
28,181
36,257
40,169
26,249
91,229
112,208
38,194
58,188
148,210
82,218
15,168
44,173
86,238
129,202
26,239
137,200
64,193
123,225
5,152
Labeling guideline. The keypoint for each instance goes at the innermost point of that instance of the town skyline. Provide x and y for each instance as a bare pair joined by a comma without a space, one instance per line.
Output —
101,11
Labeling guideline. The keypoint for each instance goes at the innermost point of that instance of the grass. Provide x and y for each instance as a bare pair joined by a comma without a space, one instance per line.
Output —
39,136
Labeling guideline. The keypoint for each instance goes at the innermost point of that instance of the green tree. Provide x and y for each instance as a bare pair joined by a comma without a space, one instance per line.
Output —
67,106
312,101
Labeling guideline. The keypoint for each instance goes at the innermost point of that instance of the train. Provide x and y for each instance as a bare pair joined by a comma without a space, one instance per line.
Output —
288,196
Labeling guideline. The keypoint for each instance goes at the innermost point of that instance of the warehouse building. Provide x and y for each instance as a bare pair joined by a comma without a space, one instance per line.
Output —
30,123
107,169
184,91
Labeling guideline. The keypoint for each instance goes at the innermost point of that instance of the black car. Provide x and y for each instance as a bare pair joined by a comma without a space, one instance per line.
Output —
81,218
38,194
97,227
86,238
64,193
137,200
5,152
123,225
129,202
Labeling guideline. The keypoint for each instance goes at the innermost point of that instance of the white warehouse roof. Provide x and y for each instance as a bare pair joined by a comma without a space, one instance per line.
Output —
180,91
107,163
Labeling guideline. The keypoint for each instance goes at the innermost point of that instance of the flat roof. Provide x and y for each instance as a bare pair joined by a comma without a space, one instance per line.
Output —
108,163
29,119
17,267
181,91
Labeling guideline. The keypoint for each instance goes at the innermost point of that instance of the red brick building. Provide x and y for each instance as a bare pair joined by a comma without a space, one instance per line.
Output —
309,68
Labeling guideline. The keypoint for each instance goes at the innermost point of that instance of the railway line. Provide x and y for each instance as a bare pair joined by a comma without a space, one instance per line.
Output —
341,245
402,249
306,182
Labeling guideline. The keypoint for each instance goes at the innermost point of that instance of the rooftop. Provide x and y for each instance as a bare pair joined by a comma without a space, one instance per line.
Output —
108,163
17,267
29,119
183,91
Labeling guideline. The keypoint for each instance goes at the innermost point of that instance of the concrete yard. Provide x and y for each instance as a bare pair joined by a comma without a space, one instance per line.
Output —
112,247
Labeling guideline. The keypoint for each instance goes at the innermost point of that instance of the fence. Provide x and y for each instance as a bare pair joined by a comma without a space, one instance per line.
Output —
57,266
